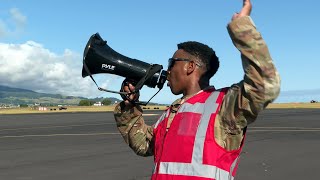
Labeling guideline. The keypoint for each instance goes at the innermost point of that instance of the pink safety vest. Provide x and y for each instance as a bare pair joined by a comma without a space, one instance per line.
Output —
188,150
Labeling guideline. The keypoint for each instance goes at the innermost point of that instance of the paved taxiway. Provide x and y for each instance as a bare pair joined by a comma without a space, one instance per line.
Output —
281,144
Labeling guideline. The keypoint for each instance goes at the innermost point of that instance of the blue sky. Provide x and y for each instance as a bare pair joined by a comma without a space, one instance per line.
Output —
41,42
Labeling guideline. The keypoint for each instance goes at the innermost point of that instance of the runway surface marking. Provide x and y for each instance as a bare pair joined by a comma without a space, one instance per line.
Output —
116,133
286,130
283,129
47,127
52,135
277,127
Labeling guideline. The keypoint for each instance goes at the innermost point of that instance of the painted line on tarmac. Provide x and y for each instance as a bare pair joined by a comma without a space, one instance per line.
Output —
46,127
283,128
115,133
53,135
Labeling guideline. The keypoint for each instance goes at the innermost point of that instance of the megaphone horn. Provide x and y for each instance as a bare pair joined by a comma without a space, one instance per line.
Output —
98,57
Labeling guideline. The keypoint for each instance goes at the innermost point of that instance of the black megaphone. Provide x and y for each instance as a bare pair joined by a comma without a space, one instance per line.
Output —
98,58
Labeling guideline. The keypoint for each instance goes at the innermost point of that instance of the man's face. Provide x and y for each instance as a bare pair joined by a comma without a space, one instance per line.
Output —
177,73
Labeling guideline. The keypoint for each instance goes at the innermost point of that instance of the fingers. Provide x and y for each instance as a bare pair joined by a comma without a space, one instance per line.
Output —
126,88
245,11
131,87
131,94
235,15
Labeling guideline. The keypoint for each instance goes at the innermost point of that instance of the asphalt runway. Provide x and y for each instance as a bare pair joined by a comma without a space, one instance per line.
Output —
281,144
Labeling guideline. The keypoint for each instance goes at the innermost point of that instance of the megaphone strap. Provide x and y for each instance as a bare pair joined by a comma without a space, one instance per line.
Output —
154,68
99,88
87,70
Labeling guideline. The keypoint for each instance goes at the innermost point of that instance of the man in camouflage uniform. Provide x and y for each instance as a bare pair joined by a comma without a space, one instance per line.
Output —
189,74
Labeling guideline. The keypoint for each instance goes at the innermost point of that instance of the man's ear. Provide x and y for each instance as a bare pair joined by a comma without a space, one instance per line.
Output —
190,67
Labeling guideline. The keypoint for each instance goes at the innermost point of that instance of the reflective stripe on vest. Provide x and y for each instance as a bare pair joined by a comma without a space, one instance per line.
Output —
162,117
196,168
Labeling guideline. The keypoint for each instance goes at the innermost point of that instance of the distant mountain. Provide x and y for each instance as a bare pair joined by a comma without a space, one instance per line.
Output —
10,95
10,89
6,92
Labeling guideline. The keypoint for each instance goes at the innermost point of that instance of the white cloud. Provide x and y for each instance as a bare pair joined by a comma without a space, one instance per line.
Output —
31,66
14,24
18,18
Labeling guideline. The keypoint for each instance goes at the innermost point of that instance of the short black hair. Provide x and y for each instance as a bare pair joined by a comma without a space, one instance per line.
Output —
203,52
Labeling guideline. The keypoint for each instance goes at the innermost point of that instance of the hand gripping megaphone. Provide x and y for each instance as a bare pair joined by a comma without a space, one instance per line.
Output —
98,57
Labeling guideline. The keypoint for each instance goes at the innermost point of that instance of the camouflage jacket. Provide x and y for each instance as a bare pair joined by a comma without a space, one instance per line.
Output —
240,106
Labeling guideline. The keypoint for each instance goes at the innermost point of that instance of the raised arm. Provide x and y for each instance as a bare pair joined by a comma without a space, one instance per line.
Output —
261,82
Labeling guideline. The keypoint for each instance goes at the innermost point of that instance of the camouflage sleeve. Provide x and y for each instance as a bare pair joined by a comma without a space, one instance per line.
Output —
133,129
259,87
